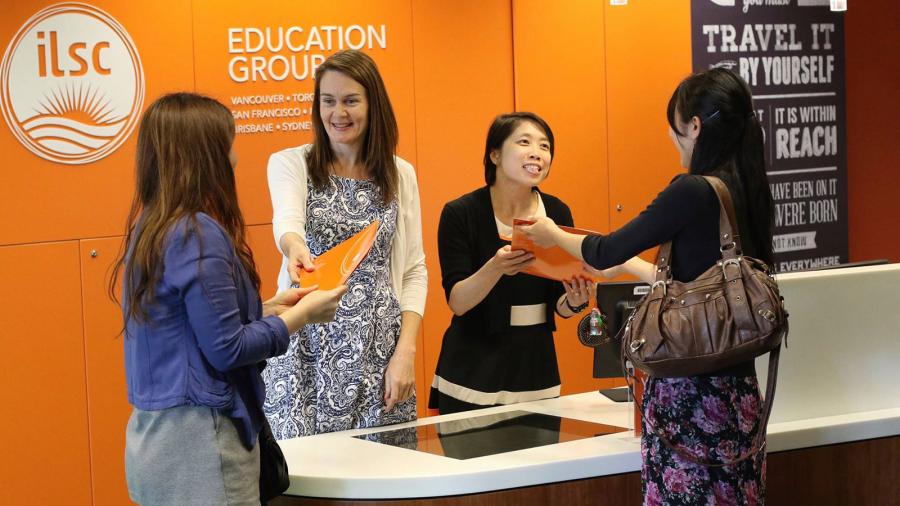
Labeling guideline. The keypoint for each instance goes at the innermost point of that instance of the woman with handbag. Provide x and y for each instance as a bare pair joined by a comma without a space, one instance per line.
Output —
196,332
699,431
499,346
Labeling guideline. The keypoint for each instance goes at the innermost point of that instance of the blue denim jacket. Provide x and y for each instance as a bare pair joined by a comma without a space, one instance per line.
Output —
204,342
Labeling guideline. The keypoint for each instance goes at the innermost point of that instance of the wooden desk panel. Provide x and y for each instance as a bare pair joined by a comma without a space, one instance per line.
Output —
859,473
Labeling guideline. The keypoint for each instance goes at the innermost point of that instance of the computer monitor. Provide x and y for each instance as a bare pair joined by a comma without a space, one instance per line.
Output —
616,300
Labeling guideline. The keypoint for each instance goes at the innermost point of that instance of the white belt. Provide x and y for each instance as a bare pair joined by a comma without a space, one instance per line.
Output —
532,314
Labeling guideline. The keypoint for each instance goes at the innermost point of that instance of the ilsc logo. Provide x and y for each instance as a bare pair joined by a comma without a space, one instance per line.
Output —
72,84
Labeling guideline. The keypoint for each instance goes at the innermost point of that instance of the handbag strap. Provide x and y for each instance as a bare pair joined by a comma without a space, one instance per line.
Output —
729,241
730,248
759,440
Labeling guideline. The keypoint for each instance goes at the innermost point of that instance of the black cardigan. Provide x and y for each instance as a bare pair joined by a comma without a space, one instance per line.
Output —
687,213
467,239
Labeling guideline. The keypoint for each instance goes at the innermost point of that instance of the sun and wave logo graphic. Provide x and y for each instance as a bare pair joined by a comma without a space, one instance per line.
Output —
72,84
74,121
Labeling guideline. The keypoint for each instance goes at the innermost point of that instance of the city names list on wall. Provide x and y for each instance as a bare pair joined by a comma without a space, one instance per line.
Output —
260,114
286,54
791,53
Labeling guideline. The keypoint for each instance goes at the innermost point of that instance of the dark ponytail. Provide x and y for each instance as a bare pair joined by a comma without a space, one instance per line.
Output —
730,146
752,171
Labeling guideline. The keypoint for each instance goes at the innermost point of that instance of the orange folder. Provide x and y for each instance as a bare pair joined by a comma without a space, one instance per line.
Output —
334,267
554,262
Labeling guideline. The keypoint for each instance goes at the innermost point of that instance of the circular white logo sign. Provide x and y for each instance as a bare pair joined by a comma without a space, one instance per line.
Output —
71,84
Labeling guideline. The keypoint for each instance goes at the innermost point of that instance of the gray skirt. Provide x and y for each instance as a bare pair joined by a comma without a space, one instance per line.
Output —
188,455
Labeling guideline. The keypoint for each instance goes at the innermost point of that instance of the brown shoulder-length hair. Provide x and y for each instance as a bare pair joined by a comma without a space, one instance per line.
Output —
381,135
182,168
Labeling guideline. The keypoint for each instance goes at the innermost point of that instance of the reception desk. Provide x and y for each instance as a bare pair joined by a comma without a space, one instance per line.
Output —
833,435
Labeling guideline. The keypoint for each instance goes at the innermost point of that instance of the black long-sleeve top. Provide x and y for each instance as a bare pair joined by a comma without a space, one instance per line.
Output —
687,213
467,238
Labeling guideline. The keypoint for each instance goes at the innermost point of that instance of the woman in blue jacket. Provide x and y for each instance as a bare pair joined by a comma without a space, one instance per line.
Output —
196,331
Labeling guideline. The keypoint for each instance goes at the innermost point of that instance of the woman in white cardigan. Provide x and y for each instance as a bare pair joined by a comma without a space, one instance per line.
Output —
357,371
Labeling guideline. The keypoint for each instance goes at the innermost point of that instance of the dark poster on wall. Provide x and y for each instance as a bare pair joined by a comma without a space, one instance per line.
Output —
791,52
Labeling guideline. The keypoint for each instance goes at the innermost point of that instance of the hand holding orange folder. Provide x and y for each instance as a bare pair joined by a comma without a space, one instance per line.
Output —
334,267
553,262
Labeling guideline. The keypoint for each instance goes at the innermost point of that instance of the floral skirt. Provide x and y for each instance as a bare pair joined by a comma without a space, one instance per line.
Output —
712,418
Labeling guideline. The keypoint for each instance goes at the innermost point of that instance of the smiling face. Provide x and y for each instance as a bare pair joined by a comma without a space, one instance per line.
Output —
524,158
343,108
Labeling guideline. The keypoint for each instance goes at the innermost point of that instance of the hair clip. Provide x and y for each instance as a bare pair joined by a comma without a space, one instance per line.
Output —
711,116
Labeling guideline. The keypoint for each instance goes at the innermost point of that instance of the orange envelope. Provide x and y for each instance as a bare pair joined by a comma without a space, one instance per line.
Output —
334,267
554,262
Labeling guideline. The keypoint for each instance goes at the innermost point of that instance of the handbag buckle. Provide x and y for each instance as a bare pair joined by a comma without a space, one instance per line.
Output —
635,345
768,314
729,261
659,283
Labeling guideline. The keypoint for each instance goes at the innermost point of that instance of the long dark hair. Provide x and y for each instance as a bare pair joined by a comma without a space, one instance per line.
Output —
381,135
182,168
730,145
503,126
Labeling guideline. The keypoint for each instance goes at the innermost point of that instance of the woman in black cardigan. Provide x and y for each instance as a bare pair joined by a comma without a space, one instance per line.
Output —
499,346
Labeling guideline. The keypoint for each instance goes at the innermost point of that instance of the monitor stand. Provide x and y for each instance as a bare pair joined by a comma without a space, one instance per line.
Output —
619,394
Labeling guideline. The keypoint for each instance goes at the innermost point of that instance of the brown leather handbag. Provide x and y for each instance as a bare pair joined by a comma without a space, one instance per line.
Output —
731,313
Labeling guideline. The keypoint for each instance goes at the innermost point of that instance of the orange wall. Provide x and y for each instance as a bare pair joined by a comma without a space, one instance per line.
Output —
648,52
42,381
462,82
600,74
873,106
558,75
104,372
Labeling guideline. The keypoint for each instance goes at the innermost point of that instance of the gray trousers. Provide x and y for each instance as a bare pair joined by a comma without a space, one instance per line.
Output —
188,455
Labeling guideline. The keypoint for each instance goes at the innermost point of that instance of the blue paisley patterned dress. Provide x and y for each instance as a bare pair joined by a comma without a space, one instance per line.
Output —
332,376
712,418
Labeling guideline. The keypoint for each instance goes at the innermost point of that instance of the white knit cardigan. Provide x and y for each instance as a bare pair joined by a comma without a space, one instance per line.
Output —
287,174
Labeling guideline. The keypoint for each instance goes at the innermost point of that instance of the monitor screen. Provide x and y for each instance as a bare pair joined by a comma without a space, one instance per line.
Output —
616,300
